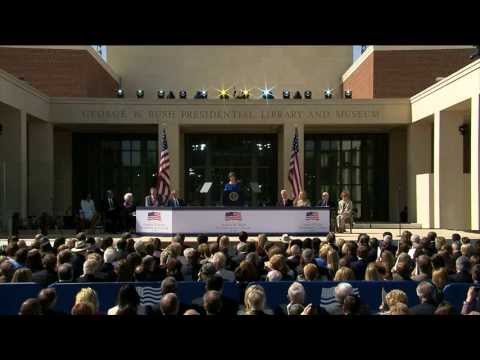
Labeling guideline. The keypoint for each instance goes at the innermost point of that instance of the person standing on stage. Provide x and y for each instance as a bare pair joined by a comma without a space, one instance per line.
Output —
154,199
174,201
302,200
284,200
232,191
127,210
345,207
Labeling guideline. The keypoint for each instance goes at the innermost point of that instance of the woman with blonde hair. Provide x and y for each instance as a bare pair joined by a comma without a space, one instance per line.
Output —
332,263
388,261
440,278
392,299
22,275
255,301
344,274
302,200
372,273
89,296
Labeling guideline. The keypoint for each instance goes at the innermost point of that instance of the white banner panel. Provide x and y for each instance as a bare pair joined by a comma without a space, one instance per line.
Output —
308,221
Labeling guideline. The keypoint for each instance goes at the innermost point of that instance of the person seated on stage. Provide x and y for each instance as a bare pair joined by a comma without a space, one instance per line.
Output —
302,200
284,200
88,213
325,201
111,210
345,207
174,201
154,199
126,211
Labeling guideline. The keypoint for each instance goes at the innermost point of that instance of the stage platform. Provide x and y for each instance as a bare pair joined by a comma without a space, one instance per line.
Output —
373,230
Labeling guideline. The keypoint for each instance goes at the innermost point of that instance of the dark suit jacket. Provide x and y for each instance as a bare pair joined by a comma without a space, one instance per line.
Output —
330,203
170,202
44,277
463,277
229,307
423,309
359,268
105,207
289,203
92,278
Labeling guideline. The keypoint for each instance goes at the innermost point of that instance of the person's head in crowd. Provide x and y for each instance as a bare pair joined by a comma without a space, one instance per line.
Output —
254,300
310,272
64,257
466,249
212,302
213,248
399,309
431,236
12,239
243,236
36,242
22,244
224,244
363,239
439,242
415,240
130,246
22,275
462,264
332,260
456,238
296,293
128,296
109,255
128,199
465,240
21,256
121,245
424,265
191,255
253,258
387,259
11,249
179,238
330,238
296,309
246,272
157,245
456,247
30,306
83,309
278,262
206,271
437,261
307,243
407,235
440,277
203,251
169,304
49,262
191,312
6,271
426,292
134,260
403,248
474,260
90,267
148,263
316,244
342,290
89,296
445,309
295,251
70,242
344,274
476,273
58,242
215,282
351,248
352,305
274,275
373,243
219,260
139,247
362,252
340,242
106,243
387,241
307,256
65,272
168,285
396,296
372,273
323,253
202,239
47,298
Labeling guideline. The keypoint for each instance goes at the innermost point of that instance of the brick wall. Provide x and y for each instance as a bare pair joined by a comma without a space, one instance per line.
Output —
59,72
403,73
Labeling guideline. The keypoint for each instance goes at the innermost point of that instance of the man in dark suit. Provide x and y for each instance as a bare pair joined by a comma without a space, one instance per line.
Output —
173,201
463,271
168,288
426,296
325,201
229,306
360,265
110,209
48,275
284,200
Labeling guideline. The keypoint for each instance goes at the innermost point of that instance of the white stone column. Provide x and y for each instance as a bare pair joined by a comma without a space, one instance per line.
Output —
475,162
173,139
23,164
288,134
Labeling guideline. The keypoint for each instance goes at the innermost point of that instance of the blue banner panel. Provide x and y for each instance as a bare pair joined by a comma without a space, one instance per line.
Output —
12,295
455,294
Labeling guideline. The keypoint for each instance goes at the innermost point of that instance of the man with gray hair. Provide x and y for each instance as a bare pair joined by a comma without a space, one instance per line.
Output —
342,290
219,260
274,275
426,293
462,275
90,268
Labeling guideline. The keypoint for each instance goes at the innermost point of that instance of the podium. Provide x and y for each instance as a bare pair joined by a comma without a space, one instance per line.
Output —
232,195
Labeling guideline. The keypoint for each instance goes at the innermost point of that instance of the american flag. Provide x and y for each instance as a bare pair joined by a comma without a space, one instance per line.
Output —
312,215
154,215
163,176
233,215
294,168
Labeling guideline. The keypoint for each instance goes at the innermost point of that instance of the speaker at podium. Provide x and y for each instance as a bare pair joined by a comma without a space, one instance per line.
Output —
232,192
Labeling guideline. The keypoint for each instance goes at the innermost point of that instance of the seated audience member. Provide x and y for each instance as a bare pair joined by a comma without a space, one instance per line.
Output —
344,274
321,260
423,269
255,301
296,296
107,268
342,290
212,303
352,305
30,306
245,273
310,273
284,200
88,296
215,283
65,273
174,201
462,275
88,213
392,298
83,309
445,309
90,269
207,271
293,260
219,260
456,253
274,275
278,262
472,301
426,296
128,297
372,273
126,212
169,305
21,256
191,267
22,275
440,278
302,200
48,298
399,309
332,241
402,270
360,265
48,275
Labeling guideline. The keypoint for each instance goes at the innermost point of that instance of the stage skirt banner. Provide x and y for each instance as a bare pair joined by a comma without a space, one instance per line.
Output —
193,221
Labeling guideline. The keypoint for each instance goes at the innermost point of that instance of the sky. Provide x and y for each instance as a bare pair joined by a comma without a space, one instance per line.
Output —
356,51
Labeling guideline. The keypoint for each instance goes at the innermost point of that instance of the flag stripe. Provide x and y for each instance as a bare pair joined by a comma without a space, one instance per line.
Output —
294,167
163,176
